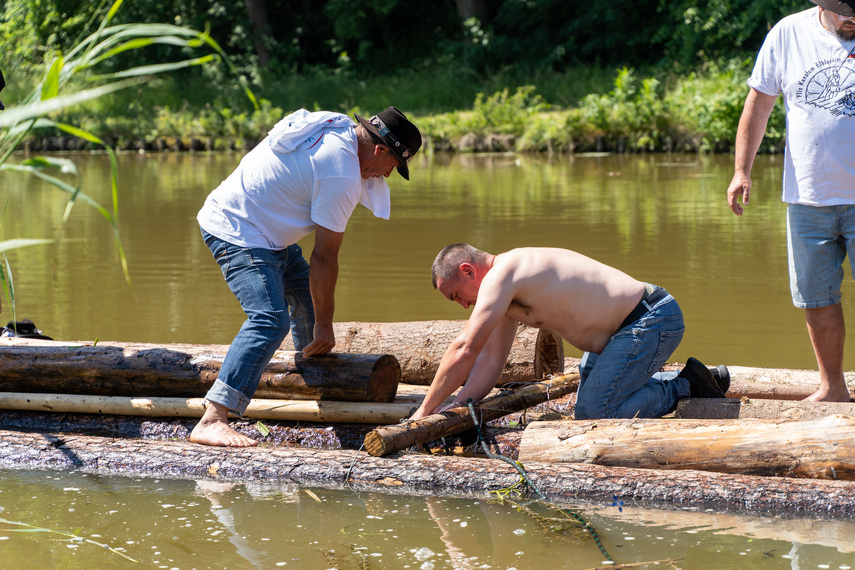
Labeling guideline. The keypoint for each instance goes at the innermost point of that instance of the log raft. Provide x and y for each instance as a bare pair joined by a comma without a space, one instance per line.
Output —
419,346
423,474
187,371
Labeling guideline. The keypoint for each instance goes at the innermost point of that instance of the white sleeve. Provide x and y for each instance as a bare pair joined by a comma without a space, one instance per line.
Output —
333,201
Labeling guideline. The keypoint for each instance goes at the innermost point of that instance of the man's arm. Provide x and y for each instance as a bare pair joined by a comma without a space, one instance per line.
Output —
490,363
323,274
749,135
488,318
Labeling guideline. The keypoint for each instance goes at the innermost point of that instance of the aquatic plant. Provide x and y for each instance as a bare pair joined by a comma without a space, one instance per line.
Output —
71,536
90,71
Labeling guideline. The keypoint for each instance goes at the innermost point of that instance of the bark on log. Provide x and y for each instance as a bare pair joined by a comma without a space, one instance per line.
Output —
389,439
419,346
262,409
123,369
819,448
770,391
747,408
422,474
776,383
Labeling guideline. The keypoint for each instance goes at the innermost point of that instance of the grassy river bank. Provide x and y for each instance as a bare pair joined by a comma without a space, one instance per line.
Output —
593,109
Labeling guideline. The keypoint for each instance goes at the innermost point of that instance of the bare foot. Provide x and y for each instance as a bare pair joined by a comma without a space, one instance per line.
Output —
213,429
829,395
219,433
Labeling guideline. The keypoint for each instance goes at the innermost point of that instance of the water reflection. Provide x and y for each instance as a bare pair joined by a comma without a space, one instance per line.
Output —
212,524
661,218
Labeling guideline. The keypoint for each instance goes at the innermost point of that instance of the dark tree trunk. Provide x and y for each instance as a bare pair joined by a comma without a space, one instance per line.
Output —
472,9
257,10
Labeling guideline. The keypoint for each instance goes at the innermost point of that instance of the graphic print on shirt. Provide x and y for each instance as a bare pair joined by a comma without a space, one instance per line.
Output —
830,85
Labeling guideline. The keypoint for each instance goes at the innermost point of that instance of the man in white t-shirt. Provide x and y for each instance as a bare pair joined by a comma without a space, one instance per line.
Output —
809,57
306,176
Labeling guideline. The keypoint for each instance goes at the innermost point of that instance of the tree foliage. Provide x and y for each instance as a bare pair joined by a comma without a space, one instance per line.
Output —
376,37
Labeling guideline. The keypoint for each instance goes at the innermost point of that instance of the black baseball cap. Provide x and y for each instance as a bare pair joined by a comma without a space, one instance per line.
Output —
842,7
392,128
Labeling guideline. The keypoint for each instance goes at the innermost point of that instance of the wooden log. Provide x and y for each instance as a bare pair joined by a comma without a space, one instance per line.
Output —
389,439
123,369
766,383
291,410
776,383
772,390
419,346
818,448
415,474
747,408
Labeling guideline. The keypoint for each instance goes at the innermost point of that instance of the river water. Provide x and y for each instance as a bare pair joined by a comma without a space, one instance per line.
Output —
660,218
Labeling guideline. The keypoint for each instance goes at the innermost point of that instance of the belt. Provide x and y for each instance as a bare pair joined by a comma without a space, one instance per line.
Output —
652,295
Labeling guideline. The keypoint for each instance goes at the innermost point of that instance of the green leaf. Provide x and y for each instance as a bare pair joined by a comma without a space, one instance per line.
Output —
34,110
50,86
262,429
20,242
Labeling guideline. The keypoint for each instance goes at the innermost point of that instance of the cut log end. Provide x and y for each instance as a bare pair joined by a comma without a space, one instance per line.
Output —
375,445
385,377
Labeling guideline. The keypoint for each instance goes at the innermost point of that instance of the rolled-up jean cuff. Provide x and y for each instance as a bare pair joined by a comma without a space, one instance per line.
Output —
223,394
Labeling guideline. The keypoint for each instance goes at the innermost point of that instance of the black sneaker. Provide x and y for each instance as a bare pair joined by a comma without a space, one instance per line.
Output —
721,375
701,381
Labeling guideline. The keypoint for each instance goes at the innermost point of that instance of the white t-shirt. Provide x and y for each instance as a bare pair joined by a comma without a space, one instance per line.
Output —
816,73
303,174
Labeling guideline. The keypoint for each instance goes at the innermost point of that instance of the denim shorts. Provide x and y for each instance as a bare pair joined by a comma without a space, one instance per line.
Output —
818,240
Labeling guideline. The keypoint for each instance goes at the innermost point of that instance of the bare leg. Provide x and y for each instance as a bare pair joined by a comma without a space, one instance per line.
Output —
213,429
827,332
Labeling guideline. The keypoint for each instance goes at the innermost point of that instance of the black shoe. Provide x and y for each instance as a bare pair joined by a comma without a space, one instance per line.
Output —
701,381
721,375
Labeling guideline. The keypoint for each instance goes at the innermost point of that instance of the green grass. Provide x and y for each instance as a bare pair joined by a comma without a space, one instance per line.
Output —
622,110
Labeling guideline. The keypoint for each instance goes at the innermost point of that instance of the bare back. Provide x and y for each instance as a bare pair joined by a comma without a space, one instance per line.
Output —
580,298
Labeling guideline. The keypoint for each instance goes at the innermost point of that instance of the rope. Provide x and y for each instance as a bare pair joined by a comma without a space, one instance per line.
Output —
518,466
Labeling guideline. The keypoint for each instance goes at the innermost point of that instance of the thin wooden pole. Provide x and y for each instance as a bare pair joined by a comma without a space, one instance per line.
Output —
263,409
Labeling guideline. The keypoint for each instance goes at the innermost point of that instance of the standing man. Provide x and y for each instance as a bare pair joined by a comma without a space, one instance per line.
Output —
627,328
307,175
810,58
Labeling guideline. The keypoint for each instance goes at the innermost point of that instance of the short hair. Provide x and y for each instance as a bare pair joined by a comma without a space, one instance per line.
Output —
447,263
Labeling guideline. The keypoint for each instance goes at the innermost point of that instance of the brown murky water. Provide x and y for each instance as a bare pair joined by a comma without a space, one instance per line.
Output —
205,524
660,218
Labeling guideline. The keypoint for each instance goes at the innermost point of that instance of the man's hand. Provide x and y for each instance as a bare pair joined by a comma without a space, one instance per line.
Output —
421,413
740,187
323,341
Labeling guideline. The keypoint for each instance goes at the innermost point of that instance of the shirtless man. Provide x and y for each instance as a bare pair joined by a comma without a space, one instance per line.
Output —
627,329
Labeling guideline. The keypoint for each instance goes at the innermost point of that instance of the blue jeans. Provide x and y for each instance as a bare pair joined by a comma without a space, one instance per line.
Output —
624,380
818,240
273,289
